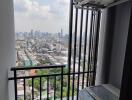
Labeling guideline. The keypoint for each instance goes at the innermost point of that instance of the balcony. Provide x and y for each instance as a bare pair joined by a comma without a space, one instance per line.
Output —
104,51
49,86
66,81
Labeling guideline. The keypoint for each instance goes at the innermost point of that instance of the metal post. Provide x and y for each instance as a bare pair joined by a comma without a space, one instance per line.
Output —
15,84
70,46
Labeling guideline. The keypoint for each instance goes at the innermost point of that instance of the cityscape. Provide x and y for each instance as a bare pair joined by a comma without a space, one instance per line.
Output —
37,48
41,31
41,48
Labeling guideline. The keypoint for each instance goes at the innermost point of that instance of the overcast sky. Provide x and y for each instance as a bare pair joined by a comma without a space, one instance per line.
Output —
43,15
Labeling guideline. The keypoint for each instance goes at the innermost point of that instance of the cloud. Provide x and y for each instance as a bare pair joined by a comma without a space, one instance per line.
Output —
34,8
31,8
38,14
63,2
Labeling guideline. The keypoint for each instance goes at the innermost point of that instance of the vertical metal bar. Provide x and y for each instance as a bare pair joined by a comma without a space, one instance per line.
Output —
96,47
24,85
55,88
15,84
70,47
80,44
62,83
47,88
85,46
40,88
74,56
92,49
90,38
32,88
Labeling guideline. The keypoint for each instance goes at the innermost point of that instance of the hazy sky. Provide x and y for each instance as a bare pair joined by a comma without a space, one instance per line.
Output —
43,15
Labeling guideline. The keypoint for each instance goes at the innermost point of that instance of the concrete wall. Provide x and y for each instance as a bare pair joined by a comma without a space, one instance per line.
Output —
100,69
112,44
122,17
105,45
7,45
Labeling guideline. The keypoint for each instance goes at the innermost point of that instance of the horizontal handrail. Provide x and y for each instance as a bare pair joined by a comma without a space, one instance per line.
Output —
48,75
37,67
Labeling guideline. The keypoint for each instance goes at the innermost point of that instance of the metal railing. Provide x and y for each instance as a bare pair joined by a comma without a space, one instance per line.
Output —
54,77
47,76
84,24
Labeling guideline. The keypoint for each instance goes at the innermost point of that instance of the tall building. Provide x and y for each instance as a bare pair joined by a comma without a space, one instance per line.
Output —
31,33
61,33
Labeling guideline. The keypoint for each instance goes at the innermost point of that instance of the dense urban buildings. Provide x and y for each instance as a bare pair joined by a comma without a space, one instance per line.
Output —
41,48
37,48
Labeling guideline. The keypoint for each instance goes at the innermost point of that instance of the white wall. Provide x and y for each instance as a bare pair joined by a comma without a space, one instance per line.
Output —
112,44
100,68
7,45
122,18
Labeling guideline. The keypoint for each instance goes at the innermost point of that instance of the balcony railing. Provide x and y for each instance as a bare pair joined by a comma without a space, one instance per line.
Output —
55,83
84,25
67,82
